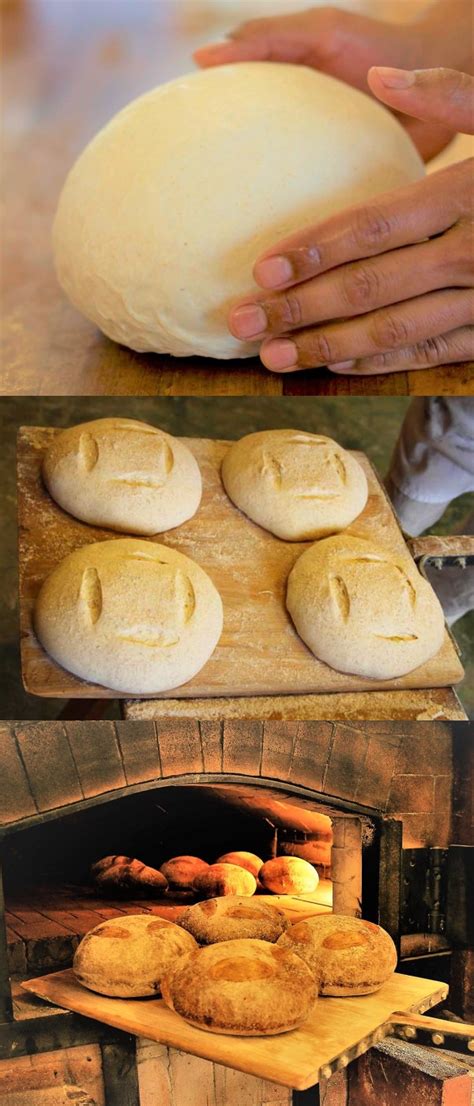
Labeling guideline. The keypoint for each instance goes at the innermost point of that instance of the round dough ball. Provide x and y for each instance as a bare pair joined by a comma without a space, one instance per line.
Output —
297,485
347,955
127,956
242,987
250,861
163,215
224,919
123,474
225,879
181,871
289,875
132,615
363,609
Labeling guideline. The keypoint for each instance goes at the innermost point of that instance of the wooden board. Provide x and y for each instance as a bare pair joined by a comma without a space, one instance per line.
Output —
337,1027
67,68
259,652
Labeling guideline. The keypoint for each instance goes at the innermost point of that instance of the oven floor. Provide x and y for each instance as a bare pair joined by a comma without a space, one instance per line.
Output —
43,931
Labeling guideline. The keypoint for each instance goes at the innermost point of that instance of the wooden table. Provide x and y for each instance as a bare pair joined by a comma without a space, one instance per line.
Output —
69,66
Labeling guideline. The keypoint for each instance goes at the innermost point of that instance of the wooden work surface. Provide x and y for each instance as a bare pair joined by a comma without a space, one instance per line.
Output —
259,652
337,1026
69,65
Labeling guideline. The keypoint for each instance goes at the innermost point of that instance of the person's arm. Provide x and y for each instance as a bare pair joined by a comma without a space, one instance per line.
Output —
386,285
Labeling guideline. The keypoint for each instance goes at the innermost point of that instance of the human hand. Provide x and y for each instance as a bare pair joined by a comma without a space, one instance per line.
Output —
344,45
395,273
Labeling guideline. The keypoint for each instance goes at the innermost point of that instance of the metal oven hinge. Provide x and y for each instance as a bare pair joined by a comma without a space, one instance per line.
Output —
424,890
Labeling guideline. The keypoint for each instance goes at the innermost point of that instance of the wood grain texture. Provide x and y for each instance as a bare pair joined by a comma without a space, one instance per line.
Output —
335,1028
259,652
68,67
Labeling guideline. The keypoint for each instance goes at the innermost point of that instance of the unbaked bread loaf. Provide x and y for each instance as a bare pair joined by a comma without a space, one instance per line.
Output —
225,919
243,859
123,474
123,875
225,879
165,212
127,956
297,485
244,987
132,615
181,871
363,609
348,956
289,875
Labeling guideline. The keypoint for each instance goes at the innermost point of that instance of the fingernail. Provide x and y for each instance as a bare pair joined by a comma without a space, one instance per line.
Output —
273,271
248,321
280,354
395,78
341,366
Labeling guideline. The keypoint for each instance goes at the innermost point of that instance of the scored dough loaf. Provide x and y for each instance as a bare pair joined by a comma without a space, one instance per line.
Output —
127,956
164,214
348,956
181,871
225,879
132,615
122,875
363,609
123,474
241,987
224,919
243,859
297,485
289,875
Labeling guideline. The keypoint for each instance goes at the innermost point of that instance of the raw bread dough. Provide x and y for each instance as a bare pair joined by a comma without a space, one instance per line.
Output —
132,615
165,212
294,484
123,474
362,609
348,956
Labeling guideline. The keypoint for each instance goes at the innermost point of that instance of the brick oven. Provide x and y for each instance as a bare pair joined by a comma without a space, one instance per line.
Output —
386,808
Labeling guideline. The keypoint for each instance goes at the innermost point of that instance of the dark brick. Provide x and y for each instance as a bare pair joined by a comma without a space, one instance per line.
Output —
180,746
139,746
16,800
427,749
397,1072
310,753
346,762
412,794
278,738
242,747
49,763
376,778
96,752
211,744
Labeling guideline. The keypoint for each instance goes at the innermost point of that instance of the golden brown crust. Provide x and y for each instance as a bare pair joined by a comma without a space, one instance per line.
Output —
348,955
181,871
127,956
289,875
224,879
231,917
243,859
241,987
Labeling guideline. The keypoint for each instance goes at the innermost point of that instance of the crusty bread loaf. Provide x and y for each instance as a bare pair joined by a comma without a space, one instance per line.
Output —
123,474
315,852
123,875
242,987
224,879
127,956
181,871
243,859
362,609
289,875
349,956
224,919
132,615
296,485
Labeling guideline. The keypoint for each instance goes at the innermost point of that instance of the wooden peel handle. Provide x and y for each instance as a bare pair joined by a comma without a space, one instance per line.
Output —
461,1030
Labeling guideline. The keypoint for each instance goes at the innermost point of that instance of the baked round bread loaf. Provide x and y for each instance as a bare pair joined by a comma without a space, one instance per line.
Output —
347,955
243,859
181,871
225,919
162,216
131,615
123,474
225,879
243,987
296,485
362,609
122,875
127,956
315,852
289,875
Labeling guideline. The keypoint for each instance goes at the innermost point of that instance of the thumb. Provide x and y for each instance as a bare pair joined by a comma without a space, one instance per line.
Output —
442,96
